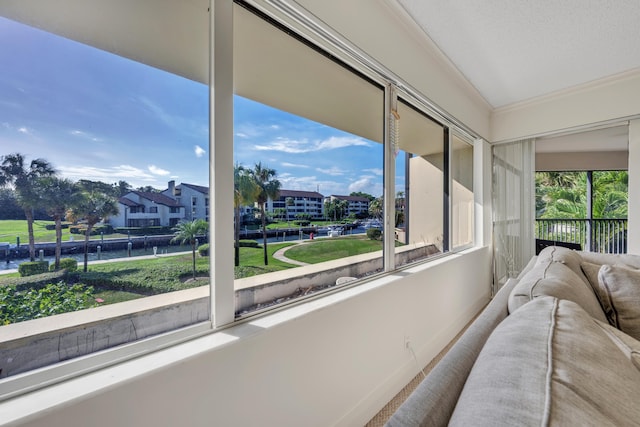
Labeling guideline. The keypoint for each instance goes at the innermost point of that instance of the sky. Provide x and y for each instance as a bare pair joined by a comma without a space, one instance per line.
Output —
94,115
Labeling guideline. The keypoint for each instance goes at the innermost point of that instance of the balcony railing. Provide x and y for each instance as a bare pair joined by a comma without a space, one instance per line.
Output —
594,235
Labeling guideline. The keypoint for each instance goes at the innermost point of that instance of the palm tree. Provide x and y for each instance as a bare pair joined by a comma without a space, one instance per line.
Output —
269,186
289,202
376,208
57,196
14,173
92,207
245,191
187,232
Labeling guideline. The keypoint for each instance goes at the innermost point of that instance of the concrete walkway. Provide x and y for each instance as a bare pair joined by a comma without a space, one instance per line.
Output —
279,255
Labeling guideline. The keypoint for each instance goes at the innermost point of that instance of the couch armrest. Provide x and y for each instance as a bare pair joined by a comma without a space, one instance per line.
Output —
433,401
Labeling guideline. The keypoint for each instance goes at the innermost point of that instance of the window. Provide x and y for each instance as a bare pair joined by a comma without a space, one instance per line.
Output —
420,180
462,203
98,119
309,127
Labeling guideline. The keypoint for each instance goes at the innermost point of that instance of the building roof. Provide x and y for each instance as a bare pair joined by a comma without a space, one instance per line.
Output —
157,198
198,188
350,198
299,193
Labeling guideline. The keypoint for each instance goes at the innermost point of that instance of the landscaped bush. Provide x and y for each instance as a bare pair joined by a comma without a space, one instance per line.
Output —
53,226
302,222
69,264
374,234
18,306
33,267
203,250
248,243
36,281
144,231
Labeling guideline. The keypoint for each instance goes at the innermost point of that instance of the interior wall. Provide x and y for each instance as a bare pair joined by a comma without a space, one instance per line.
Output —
608,100
633,236
581,161
333,365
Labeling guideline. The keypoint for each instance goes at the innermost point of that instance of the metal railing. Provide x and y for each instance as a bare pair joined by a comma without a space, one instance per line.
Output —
594,235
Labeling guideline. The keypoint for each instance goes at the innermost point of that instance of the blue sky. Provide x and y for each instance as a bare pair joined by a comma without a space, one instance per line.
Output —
98,116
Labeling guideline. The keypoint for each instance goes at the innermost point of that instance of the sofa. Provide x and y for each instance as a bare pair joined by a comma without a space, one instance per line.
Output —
558,345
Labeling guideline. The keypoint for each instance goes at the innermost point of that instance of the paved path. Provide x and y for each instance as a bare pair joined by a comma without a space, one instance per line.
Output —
279,255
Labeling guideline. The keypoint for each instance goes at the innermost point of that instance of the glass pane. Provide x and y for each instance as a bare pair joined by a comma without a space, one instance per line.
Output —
308,177
419,186
122,161
462,203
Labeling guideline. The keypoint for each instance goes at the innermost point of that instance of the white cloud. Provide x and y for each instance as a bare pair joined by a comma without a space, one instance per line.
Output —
333,171
294,146
85,135
158,171
24,130
115,173
294,165
199,151
375,171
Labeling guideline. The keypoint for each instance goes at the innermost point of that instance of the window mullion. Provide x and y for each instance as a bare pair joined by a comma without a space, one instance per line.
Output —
221,161
390,142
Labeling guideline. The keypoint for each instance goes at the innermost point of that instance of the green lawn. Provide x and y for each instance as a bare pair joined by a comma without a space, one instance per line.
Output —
126,280
10,229
335,248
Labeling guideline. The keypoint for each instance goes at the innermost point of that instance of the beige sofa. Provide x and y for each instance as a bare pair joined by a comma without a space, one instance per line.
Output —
560,345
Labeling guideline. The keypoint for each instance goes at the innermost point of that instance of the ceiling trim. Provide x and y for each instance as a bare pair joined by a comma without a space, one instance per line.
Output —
584,87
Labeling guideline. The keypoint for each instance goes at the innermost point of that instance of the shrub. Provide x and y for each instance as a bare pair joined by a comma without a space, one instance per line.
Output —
18,306
203,250
374,234
248,244
36,281
33,267
302,222
53,226
69,264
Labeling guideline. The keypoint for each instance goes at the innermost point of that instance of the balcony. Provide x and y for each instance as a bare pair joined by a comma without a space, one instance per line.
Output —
594,235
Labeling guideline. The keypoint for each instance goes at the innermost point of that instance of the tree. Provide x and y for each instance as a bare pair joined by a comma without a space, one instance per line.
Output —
361,194
23,179
376,207
58,195
92,207
187,232
269,186
9,208
122,188
245,191
289,202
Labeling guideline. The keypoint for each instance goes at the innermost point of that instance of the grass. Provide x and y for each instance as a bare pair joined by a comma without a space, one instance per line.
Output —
10,229
334,248
119,281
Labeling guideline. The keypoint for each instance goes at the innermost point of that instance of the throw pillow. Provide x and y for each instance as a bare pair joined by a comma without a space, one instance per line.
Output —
620,295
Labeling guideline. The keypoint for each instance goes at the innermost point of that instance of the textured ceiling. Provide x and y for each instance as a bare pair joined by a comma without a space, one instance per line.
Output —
514,50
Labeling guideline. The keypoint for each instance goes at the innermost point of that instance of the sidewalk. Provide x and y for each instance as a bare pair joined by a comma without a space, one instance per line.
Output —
279,255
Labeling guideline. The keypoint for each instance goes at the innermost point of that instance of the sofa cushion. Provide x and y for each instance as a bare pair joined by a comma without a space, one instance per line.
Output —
553,277
551,363
620,294
611,259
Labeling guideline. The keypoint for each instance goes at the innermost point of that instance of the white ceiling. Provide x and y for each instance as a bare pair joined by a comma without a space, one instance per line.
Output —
514,50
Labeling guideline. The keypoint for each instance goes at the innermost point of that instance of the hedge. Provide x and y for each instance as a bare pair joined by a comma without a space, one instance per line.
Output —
33,267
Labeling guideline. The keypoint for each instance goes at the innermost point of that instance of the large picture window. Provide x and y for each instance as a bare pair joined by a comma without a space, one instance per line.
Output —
132,232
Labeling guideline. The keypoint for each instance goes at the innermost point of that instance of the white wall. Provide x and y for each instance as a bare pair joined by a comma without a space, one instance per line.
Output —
336,364
600,102
633,245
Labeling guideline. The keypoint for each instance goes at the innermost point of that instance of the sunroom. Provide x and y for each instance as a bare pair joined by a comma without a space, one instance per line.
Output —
368,70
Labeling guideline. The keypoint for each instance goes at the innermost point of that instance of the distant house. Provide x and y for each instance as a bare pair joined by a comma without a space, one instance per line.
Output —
356,204
194,199
310,202
145,209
